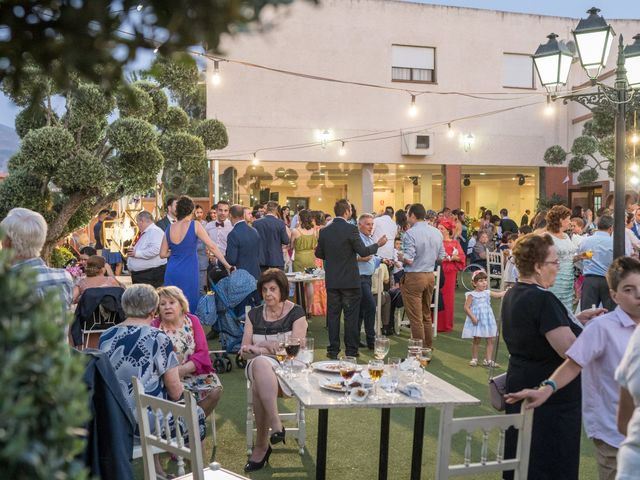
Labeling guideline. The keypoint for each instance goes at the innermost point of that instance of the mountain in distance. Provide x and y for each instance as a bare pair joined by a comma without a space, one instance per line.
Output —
9,144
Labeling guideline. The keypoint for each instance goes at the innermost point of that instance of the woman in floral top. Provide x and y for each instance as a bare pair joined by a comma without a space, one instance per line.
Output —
190,346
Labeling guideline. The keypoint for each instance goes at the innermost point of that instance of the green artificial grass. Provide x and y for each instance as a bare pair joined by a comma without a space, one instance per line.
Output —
353,439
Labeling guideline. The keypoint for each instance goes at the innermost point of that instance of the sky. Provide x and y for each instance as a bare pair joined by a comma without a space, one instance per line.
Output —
564,8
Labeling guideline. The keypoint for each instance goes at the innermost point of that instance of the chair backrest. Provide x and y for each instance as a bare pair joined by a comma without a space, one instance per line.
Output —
161,437
495,266
435,302
449,426
378,278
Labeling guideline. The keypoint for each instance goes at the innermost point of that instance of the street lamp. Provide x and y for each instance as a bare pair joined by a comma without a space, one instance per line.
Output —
593,38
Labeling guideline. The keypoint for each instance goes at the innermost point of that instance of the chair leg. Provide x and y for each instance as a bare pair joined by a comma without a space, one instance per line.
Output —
249,421
181,470
214,436
302,428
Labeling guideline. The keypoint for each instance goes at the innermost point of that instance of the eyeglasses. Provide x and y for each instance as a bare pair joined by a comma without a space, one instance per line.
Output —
553,262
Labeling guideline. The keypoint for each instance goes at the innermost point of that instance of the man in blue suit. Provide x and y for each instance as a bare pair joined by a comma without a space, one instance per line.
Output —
273,233
243,243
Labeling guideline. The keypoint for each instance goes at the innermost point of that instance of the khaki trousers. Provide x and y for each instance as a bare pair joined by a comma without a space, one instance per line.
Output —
606,458
417,292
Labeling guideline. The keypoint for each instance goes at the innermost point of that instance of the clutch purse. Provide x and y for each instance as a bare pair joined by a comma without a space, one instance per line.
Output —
497,390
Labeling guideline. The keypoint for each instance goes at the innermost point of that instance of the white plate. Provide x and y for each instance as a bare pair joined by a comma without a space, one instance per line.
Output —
330,366
333,385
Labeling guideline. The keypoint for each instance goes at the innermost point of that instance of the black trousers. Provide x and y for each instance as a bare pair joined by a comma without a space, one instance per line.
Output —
367,310
594,291
152,276
341,300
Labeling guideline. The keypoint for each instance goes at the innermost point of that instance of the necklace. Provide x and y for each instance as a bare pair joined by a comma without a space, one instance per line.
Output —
266,311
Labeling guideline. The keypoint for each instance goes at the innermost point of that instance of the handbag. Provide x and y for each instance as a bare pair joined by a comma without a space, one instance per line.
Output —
498,383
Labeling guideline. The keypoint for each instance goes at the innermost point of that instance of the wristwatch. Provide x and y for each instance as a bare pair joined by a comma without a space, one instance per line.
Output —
551,383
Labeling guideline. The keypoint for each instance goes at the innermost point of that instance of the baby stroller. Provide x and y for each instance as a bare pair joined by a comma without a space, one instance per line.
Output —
233,294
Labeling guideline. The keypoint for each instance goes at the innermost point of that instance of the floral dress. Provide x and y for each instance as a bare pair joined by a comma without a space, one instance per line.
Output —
184,346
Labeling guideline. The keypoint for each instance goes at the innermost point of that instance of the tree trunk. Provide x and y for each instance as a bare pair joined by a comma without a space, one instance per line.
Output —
57,228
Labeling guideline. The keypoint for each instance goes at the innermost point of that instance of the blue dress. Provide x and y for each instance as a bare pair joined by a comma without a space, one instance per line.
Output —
481,308
182,266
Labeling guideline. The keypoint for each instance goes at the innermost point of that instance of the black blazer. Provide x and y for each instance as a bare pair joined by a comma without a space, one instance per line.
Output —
163,223
244,249
338,244
273,234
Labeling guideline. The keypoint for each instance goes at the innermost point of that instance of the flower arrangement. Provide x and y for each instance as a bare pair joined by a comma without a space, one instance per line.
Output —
75,271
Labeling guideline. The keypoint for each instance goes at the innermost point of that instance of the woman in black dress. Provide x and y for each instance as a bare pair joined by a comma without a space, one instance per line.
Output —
538,330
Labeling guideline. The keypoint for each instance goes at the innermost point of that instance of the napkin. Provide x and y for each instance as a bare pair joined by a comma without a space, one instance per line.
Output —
358,394
412,390
410,364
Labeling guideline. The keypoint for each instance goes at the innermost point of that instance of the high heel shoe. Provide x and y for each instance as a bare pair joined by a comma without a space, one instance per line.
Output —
277,437
252,466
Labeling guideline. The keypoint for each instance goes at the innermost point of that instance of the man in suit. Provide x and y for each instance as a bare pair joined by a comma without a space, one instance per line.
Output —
525,218
338,245
243,243
273,233
170,217
506,224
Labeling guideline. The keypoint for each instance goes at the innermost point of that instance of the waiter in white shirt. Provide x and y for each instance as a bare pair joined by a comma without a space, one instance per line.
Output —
143,258
384,225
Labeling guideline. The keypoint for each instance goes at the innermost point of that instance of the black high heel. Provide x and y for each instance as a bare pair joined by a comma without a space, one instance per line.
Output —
252,466
277,437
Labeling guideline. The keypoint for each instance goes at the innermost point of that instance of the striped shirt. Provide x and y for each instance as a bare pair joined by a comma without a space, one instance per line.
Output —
49,279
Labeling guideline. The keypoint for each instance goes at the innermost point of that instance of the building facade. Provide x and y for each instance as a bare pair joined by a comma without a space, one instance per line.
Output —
480,126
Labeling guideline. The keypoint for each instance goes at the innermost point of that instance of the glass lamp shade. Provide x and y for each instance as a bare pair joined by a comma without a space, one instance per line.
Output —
553,61
594,38
632,62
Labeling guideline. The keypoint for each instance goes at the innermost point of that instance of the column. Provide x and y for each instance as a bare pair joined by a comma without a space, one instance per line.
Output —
426,190
451,186
366,204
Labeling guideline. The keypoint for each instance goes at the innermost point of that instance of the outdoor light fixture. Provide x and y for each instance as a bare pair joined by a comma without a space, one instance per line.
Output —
450,132
468,142
215,78
324,138
635,138
632,62
255,160
594,38
552,61
521,180
343,151
549,109
413,108
467,180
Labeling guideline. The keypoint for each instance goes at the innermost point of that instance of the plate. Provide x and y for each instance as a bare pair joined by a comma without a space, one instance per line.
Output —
330,366
334,386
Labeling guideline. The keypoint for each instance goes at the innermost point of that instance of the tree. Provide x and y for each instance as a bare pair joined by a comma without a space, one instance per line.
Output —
69,166
43,400
93,40
593,150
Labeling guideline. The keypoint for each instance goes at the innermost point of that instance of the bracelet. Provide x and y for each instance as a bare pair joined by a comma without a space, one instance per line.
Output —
551,383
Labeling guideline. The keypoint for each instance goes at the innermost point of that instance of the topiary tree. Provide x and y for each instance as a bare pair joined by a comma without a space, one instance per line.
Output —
593,151
43,400
69,166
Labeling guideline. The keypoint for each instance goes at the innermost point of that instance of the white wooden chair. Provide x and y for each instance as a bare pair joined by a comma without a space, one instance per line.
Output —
522,421
401,319
152,443
298,430
495,267
378,278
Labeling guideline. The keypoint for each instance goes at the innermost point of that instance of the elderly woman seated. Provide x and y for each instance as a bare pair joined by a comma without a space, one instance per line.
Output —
276,316
136,349
95,269
190,345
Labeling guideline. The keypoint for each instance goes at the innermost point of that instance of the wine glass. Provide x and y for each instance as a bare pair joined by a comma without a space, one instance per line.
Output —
376,369
414,347
425,358
292,347
347,371
381,347
393,370
281,352
307,354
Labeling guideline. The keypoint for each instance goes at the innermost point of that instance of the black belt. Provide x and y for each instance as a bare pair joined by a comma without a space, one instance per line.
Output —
589,275
366,276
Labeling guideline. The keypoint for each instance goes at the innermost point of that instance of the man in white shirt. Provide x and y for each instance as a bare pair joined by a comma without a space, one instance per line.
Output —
219,229
384,225
143,258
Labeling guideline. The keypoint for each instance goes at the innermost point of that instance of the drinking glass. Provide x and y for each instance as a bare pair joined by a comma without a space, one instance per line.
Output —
347,371
307,353
281,352
381,347
414,347
292,347
425,358
393,370
376,370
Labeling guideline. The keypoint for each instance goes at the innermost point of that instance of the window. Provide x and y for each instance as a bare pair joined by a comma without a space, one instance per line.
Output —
413,64
517,70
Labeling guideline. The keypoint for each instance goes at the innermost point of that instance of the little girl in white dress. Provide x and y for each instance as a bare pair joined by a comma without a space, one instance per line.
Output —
480,322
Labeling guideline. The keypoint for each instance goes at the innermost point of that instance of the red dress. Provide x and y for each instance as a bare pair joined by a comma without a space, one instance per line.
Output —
450,269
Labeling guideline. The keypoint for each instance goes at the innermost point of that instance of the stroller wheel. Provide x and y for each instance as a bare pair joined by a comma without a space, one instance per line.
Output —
228,364
219,365
240,362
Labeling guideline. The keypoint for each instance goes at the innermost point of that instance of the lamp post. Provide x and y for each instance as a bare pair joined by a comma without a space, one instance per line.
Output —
593,38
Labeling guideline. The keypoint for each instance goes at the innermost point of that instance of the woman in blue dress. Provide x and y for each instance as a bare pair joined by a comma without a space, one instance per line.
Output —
180,245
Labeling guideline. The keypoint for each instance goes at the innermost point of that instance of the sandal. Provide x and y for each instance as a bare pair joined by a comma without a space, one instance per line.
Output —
473,362
490,363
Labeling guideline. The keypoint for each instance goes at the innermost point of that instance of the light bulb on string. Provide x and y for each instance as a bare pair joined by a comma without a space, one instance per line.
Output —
155,50
413,108
343,151
255,160
216,79
549,109
450,132
634,180
635,138
633,167
139,7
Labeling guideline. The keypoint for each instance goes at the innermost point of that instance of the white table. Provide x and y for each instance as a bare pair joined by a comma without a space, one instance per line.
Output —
436,393
300,281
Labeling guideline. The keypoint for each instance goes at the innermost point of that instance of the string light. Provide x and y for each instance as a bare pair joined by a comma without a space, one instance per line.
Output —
633,167
255,160
634,180
343,151
549,109
155,50
413,108
635,138
139,7
450,132
215,78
